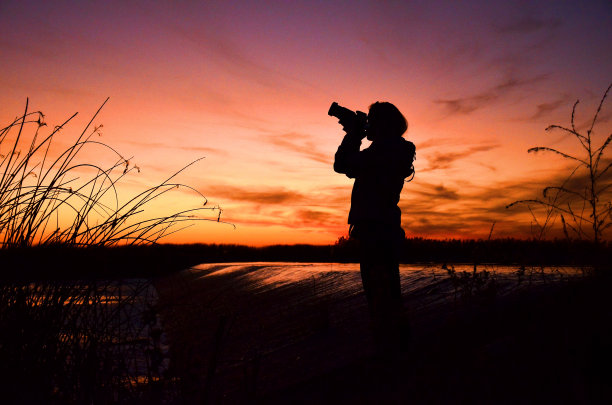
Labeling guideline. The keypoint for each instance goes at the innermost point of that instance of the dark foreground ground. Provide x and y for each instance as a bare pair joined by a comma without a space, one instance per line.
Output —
234,340
240,337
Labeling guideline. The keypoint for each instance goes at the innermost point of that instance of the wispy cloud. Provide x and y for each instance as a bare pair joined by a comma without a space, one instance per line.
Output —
161,145
300,144
293,217
581,179
438,210
469,104
436,192
544,109
213,39
603,118
255,195
436,143
468,215
444,160
465,105
318,219
527,25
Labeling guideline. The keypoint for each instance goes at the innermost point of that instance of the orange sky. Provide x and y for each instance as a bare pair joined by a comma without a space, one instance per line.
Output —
247,85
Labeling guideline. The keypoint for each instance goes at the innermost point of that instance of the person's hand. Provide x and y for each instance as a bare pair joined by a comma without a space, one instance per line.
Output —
350,127
347,126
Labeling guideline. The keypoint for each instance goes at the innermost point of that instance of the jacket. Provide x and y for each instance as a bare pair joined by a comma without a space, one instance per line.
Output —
379,172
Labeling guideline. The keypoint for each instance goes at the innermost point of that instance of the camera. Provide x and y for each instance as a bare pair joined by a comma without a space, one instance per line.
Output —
348,118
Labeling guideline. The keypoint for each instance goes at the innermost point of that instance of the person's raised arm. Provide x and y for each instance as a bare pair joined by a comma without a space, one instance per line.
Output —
346,160
347,154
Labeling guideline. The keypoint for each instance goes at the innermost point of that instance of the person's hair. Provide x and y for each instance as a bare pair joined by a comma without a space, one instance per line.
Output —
390,119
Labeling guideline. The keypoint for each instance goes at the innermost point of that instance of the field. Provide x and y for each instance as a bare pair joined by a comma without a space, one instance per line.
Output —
159,328
299,333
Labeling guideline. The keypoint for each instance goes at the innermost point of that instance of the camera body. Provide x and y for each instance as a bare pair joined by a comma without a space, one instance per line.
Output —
357,120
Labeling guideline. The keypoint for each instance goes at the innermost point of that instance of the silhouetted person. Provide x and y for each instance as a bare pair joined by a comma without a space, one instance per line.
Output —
375,219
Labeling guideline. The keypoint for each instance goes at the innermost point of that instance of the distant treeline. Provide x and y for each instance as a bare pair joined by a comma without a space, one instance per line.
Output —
419,250
507,251
146,261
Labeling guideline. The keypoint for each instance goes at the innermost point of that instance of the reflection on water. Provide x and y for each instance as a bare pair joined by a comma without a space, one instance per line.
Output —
114,321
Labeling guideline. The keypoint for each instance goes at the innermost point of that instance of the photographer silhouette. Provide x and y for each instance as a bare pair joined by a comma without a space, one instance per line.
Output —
375,218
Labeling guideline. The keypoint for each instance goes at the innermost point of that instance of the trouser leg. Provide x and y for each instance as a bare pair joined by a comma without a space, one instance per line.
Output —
381,283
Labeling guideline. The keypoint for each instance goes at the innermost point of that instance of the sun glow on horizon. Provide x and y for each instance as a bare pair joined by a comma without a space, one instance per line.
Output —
247,88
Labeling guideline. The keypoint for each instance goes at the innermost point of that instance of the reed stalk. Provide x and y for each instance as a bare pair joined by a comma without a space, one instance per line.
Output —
89,340
45,200
583,200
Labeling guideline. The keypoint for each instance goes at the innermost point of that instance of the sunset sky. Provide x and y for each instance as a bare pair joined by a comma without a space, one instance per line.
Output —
247,85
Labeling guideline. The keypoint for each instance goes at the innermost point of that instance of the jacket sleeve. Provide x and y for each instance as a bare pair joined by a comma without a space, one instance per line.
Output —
387,160
347,155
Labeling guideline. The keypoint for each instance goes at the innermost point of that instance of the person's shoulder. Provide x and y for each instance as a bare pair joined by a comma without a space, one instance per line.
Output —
394,146
406,142
406,145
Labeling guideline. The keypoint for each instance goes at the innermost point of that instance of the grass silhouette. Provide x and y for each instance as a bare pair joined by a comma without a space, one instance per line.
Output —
43,200
583,204
73,332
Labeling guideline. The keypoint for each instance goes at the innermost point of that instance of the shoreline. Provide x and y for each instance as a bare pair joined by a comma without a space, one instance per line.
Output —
159,260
